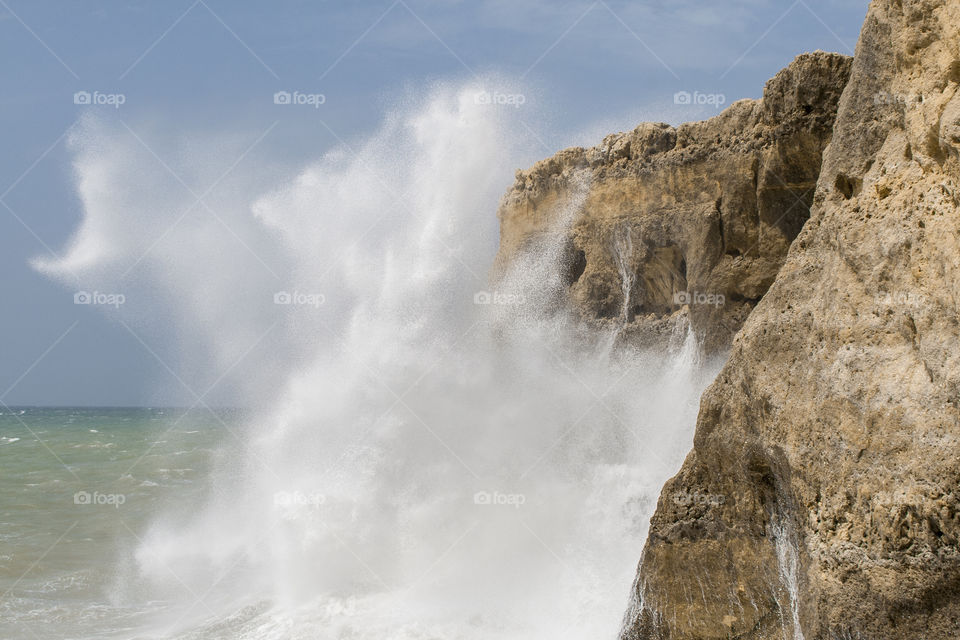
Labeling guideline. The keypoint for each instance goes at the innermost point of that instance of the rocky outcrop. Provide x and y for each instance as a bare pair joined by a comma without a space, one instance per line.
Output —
687,223
820,500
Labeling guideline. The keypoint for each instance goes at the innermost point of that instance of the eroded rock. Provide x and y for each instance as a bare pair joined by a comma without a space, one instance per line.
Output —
693,221
832,435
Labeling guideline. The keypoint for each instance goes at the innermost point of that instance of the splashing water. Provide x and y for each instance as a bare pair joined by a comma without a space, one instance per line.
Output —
788,561
622,252
440,460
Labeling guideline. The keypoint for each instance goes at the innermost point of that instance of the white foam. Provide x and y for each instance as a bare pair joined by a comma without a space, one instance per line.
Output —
436,468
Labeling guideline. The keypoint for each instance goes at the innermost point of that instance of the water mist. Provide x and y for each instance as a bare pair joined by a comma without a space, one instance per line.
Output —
442,457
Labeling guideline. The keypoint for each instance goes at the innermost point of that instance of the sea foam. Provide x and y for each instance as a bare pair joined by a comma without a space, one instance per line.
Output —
427,454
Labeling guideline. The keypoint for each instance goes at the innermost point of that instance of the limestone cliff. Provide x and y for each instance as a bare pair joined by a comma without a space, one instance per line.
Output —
682,223
826,464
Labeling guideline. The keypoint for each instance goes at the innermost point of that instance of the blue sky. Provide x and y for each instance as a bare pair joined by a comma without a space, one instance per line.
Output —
193,67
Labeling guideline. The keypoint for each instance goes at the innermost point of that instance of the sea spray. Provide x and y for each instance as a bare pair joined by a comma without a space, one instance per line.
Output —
433,463
788,563
622,254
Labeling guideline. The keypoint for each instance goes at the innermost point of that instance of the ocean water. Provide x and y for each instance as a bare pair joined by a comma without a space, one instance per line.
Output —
76,485
424,453
157,523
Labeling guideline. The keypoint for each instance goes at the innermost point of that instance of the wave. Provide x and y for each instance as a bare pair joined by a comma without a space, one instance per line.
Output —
427,454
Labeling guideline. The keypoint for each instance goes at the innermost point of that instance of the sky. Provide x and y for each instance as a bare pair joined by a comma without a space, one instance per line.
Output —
222,70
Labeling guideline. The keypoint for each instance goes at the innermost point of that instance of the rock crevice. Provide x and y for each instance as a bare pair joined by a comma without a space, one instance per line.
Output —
686,224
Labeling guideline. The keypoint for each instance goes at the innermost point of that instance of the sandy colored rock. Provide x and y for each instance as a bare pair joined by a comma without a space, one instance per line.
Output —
693,221
827,454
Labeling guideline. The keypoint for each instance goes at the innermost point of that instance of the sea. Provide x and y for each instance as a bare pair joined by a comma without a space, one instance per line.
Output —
424,451
521,516
76,487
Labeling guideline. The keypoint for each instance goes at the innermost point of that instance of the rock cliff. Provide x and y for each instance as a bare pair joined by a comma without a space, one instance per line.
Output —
820,500
684,224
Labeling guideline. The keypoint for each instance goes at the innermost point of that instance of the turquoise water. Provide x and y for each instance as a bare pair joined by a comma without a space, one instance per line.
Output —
78,486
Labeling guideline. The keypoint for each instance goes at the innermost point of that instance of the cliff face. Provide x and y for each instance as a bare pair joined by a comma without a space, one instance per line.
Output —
689,223
826,464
